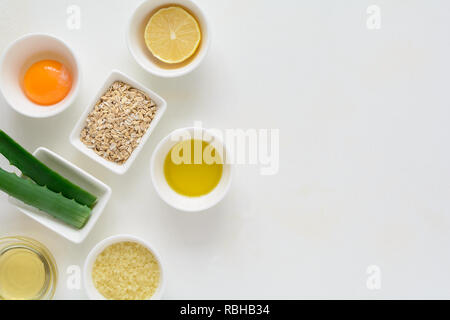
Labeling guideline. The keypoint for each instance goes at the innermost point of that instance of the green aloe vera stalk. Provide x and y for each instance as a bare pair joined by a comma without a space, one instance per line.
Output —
55,204
40,173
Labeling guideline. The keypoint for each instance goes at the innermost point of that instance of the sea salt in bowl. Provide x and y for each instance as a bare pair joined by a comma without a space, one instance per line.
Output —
92,291
16,60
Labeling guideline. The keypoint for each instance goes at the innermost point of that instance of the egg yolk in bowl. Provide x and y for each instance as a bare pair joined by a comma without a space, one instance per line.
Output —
47,82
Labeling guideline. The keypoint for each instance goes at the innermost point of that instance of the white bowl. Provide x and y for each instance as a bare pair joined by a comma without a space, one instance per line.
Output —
16,60
143,56
75,135
77,176
174,199
91,291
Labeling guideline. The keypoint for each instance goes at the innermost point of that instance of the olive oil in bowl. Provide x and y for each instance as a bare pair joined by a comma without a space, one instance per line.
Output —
193,168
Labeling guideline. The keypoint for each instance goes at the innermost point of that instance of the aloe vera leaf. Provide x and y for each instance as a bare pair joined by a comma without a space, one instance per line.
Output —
40,197
40,173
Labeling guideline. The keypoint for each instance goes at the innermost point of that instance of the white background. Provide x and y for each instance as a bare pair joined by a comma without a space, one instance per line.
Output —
364,147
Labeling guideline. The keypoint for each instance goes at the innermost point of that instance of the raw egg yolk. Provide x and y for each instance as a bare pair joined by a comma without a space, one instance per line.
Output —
47,82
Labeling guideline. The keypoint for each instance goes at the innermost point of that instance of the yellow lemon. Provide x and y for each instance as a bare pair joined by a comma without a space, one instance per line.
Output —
172,35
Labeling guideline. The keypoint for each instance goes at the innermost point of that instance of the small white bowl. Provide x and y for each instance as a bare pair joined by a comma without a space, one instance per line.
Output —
16,60
174,199
143,56
77,176
92,291
75,135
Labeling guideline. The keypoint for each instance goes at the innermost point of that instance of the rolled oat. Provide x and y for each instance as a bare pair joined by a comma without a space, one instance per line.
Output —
118,121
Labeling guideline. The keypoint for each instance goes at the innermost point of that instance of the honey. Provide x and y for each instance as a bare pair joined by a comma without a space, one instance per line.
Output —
22,274
27,270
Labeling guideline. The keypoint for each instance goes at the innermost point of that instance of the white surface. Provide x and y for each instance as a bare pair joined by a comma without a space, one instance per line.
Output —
92,291
79,177
22,54
364,170
114,76
174,199
136,43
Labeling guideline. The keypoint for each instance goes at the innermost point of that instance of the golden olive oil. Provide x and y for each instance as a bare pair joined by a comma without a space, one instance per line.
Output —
193,168
22,274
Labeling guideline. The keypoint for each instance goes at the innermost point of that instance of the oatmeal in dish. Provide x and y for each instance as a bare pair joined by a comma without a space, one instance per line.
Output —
118,121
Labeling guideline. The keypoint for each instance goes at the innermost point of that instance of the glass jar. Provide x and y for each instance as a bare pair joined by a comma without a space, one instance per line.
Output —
37,253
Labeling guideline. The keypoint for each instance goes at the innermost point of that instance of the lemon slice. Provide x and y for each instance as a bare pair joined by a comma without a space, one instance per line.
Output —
172,35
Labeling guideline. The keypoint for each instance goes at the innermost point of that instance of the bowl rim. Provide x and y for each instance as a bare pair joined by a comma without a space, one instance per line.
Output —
75,89
170,72
163,142
74,135
90,289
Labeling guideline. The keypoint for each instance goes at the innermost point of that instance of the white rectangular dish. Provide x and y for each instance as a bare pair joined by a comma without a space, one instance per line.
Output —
80,178
75,135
